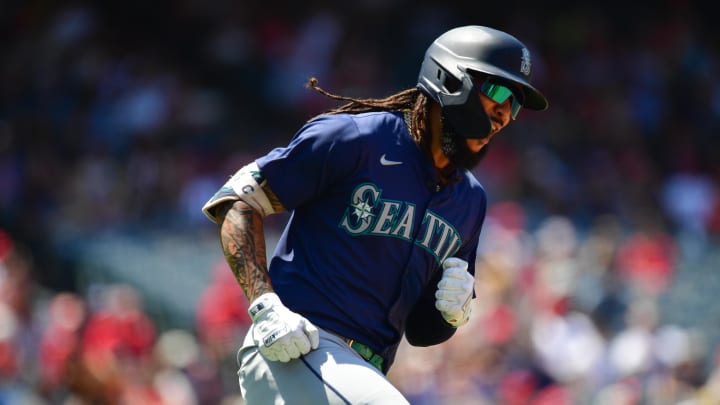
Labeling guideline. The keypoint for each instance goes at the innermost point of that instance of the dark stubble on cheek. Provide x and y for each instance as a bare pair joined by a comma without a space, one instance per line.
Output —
456,149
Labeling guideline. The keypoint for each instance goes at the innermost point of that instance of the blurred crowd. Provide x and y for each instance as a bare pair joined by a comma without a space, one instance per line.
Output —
101,346
567,319
126,116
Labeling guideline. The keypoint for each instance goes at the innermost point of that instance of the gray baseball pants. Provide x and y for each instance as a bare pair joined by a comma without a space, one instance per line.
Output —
332,374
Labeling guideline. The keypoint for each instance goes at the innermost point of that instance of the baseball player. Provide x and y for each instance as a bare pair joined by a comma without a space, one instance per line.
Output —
384,225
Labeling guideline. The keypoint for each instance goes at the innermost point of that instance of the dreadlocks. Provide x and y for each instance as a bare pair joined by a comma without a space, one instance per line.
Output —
411,100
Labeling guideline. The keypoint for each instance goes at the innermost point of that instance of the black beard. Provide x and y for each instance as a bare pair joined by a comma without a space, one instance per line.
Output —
457,151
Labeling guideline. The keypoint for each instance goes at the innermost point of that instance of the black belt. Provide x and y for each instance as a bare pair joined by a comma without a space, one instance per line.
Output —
365,352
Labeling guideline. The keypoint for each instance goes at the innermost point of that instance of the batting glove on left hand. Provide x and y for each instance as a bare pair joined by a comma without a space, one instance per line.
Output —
280,334
454,292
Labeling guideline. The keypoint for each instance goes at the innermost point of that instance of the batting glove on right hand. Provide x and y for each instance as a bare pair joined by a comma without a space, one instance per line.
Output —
454,292
280,334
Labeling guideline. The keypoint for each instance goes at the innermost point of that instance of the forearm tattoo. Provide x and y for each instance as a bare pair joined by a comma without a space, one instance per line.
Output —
243,243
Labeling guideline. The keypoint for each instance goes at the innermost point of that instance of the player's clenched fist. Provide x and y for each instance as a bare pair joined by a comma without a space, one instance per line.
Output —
454,292
279,333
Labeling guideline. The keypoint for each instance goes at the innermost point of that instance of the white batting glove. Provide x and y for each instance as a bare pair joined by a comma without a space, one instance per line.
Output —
454,292
280,334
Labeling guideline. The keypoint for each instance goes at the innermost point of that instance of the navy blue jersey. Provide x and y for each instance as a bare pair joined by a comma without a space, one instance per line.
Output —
368,228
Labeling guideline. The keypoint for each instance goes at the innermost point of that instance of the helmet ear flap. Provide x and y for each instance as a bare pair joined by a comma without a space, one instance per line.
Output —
468,118
460,103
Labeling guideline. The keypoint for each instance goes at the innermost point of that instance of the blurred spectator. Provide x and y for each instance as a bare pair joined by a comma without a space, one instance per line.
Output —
222,318
116,350
19,328
647,260
222,321
60,343
176,351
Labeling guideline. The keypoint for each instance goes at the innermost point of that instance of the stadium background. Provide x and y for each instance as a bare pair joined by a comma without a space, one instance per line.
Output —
600,259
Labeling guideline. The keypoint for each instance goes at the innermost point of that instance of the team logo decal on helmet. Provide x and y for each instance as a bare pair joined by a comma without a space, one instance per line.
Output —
525,63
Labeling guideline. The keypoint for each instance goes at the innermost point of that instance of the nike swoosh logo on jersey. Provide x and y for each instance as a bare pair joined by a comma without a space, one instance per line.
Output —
385,162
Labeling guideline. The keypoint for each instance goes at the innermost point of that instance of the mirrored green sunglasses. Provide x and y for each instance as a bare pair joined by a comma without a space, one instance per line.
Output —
499,94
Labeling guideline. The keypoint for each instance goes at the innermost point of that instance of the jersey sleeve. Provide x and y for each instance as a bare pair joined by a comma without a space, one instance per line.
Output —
324,150
468,250
425,325
300,170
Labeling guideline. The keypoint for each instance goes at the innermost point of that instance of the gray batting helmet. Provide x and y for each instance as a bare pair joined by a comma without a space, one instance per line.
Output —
462,53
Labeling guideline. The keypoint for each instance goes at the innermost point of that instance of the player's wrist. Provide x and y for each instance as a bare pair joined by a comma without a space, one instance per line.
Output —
262,304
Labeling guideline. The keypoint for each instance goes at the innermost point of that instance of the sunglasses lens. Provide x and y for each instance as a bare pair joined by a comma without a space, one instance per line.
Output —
500,94
496,92
515,109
